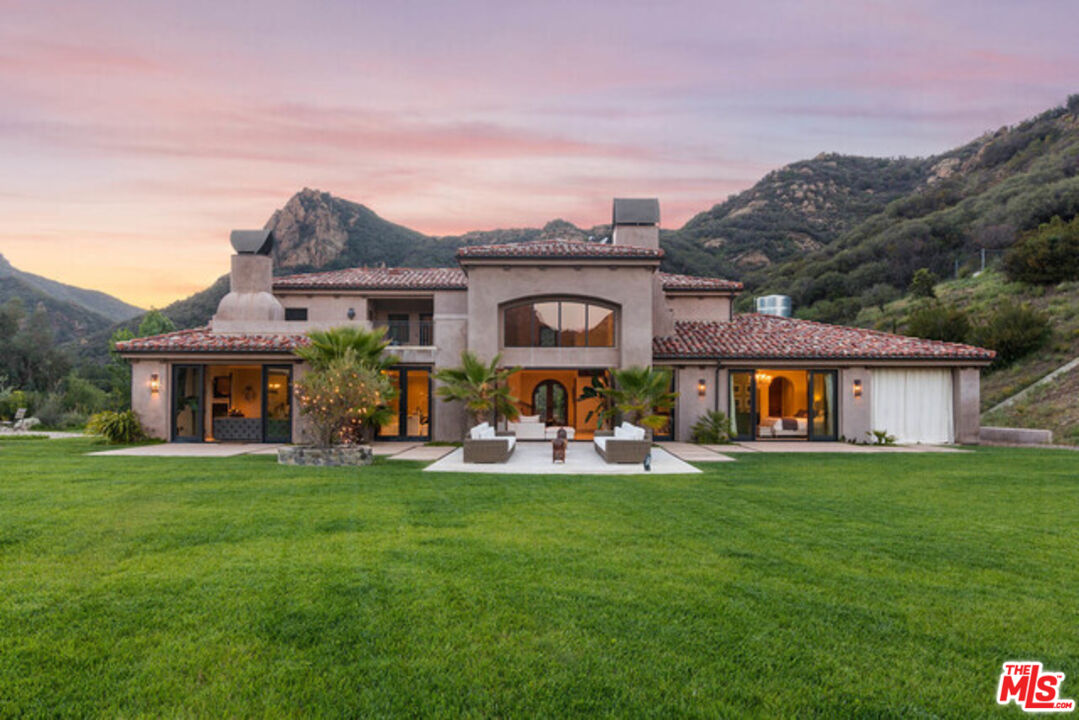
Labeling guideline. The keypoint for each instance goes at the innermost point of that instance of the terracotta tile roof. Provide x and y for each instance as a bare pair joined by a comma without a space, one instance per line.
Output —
202,340
692,282
558,249
768,336
396,278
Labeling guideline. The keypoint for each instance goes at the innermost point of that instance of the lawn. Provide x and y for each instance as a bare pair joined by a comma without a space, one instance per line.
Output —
779,585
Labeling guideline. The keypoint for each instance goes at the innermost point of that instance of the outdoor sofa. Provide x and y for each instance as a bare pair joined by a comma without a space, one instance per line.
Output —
484,445
627,444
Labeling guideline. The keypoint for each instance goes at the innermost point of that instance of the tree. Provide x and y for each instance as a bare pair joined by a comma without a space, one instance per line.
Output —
155,322
1047,255
642,395
935,321
35,363
345,400
368,347
482,387
922,284
1013,331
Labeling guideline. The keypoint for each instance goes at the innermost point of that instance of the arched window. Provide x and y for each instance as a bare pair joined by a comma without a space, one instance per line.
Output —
558,323
549,402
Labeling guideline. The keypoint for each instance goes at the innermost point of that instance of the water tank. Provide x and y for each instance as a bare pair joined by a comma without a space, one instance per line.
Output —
774,305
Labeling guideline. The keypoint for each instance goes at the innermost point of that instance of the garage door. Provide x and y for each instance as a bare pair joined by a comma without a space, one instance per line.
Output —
913,405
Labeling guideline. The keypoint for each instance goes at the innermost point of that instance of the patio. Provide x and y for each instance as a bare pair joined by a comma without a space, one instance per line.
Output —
534,458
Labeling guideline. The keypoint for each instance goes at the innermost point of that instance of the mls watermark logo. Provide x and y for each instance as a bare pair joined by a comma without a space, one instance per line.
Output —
1032,689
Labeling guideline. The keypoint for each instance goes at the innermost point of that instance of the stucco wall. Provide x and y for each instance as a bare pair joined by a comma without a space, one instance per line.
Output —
630,288
451,338
690,404
324,311
854,413
966,404
700,307
151,408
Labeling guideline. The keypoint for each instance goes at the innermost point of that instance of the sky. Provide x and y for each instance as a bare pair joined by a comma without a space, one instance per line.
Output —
135,135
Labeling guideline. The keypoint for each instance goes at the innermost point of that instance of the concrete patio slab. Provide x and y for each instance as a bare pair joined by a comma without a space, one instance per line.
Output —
534,458
691,452
192,450
424,452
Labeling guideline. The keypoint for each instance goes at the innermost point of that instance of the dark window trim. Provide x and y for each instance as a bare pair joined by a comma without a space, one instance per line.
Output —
295,314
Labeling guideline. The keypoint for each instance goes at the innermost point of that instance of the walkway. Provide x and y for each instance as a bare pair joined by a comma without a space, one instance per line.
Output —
192,450
51,434
781,446
534,458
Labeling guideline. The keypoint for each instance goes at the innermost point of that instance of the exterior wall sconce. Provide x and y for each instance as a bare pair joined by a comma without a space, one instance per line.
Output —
351,313
857,388
155,383
702,388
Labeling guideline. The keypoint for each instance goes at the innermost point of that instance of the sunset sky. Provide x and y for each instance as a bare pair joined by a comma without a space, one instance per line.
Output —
135,135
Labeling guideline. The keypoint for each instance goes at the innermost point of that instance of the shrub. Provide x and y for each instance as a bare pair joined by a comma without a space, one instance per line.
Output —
1047,255
345,400
935,321
921,285
881,437
711,428
116,427
50,410
1013,331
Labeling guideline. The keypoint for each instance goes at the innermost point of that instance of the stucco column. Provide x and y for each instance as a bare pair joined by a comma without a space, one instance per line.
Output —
855,415
151,408
450,320
966,404
691,405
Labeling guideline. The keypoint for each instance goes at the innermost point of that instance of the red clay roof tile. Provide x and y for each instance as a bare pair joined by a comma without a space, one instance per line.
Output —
203,340
578,249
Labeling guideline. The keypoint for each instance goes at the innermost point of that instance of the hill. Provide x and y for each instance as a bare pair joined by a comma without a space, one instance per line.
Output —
74,312
979,196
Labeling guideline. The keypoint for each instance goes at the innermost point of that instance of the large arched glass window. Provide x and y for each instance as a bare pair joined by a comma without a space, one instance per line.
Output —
558,323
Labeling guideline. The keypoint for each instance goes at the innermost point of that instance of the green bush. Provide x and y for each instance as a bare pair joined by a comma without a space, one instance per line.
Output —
935,321
922,284
711,428
116,427
1047,255
1013,331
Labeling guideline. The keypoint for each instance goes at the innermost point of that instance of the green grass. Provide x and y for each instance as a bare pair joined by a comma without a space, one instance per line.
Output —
779,585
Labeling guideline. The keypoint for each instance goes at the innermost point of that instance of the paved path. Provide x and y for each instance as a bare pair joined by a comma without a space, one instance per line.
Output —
784,446
51,434
217,450
425,453
691,452
534,458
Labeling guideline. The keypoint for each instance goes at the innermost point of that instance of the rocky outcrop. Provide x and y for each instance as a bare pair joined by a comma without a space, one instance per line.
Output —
309,231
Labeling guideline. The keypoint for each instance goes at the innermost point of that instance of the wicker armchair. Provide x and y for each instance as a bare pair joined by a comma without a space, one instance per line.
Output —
482,445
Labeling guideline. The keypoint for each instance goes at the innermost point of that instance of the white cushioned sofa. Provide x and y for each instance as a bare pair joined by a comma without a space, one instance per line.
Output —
627,444
484,445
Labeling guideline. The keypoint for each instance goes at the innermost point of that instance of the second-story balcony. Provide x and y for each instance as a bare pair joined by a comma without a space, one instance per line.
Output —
409,332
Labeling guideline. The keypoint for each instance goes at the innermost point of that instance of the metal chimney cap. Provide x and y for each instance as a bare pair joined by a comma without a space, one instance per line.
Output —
252,242
635,211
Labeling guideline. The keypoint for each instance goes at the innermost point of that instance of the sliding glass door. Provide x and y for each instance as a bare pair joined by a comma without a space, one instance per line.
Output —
742,408
822,405
277,413
411,418
187,403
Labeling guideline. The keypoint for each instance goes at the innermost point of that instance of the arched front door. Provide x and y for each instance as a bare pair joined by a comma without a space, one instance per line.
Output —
549,402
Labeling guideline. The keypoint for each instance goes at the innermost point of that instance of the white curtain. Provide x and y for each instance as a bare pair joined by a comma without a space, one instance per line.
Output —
913,405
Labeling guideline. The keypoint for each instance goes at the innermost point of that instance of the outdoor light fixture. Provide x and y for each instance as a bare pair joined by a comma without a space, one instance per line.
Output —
155,384
701,387
857,388
351,313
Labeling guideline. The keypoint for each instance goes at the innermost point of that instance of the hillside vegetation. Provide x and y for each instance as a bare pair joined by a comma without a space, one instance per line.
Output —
1056,407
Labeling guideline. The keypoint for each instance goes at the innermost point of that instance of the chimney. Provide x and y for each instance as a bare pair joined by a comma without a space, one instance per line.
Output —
250,300
636,222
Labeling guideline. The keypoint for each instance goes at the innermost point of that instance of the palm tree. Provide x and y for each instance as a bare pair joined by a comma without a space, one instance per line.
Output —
368,347
481,386
643,395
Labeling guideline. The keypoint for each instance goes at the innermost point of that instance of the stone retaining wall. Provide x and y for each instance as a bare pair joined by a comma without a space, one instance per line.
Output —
345,455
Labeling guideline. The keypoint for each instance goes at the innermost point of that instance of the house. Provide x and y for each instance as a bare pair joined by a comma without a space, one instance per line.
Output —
565,311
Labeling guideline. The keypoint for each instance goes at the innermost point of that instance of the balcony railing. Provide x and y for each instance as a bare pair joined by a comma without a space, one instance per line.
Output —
402,332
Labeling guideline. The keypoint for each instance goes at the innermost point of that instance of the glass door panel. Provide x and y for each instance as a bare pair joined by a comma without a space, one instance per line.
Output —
742,404
278,410
187,397
822,405
392,427
417,403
